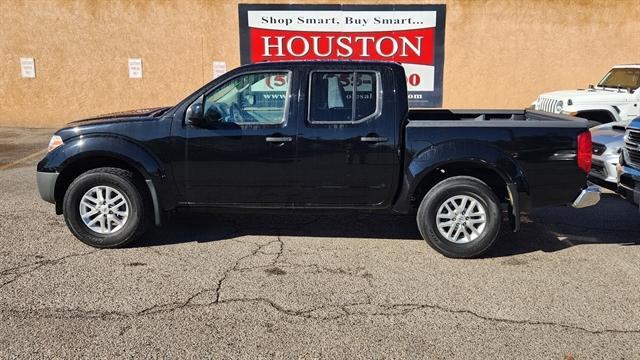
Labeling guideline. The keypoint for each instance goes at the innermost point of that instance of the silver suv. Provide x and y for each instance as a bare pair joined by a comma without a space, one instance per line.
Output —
608,140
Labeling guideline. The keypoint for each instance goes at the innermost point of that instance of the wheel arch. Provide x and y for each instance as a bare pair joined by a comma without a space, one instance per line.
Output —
508,187
484,160
480,159
85,154
601,115
493,177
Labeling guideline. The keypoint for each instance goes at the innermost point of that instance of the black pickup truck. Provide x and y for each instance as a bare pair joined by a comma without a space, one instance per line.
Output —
317,136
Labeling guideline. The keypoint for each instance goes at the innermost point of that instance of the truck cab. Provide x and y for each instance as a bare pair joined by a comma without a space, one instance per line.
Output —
615,98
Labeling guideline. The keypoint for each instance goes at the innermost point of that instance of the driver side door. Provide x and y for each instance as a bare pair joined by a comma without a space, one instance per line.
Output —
246,156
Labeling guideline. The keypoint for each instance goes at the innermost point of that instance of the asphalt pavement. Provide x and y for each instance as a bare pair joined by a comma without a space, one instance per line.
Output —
306,286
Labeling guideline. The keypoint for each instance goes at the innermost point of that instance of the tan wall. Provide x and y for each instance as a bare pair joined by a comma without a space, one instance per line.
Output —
498,53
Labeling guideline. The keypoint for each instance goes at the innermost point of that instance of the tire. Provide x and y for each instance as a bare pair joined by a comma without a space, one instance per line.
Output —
434,211
96,184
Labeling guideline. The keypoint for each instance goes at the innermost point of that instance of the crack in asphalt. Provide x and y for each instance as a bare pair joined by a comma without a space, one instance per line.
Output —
216,290
237,263
339,311
402,309
36,265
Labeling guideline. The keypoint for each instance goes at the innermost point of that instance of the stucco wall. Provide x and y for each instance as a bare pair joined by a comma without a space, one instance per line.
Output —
498,54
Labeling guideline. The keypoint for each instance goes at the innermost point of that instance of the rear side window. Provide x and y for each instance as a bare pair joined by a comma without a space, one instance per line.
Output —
332,95
366,95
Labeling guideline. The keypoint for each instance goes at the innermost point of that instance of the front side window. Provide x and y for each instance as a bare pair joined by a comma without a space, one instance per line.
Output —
258,98
332,94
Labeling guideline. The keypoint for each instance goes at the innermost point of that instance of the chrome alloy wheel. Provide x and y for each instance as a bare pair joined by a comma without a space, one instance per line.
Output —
104,209
461,219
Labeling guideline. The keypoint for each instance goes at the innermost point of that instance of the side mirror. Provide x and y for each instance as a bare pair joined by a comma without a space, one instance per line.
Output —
210,119
195,114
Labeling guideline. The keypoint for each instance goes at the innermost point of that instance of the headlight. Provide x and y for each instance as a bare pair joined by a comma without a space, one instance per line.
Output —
559,106
54,143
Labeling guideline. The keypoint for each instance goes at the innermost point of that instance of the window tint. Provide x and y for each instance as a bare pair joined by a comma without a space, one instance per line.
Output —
366,98
258,98
332,93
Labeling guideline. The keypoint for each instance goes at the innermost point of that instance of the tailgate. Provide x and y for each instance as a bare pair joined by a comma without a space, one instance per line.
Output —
547,151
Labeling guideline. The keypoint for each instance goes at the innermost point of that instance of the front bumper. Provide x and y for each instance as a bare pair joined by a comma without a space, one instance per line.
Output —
588,197
629,186
604,172
46,185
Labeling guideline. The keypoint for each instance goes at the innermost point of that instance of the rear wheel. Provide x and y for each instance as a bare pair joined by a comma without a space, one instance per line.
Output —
104,207
460,217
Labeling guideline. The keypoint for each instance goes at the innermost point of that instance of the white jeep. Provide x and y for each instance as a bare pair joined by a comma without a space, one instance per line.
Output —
616,98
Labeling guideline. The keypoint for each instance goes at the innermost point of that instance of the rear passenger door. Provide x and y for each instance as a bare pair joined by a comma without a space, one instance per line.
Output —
347,142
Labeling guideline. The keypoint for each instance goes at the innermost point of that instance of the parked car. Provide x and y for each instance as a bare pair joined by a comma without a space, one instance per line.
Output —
629,169
316,136
616,98
608,140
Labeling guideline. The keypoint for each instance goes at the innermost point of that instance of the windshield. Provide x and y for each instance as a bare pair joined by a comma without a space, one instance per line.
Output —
622,78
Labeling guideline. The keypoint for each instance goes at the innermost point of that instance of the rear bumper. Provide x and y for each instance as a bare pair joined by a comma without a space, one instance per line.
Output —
588,197
46,185
629,186
613,186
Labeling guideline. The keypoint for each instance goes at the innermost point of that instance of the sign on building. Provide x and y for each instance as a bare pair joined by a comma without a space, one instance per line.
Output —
27,68
219,68
409,34
135,68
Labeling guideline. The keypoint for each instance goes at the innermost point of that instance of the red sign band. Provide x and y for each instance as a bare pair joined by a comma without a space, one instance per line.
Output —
407,46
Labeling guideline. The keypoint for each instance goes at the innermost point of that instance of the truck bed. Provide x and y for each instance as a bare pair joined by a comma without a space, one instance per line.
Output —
543,145
492,118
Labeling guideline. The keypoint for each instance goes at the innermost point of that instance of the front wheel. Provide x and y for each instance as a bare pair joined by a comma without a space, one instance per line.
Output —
460,217
104,208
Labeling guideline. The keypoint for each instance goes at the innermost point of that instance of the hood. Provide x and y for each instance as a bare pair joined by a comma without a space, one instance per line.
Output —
120,116
597,95
611,135
612,127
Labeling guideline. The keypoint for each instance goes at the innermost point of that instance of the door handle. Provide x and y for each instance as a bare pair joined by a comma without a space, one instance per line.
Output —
279,139
374,139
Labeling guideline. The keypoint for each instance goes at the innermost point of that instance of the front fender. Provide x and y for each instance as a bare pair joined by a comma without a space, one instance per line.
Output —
582,108
84,148
87,146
